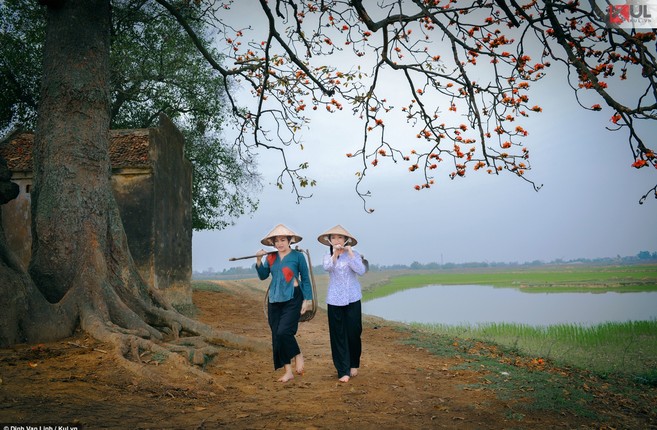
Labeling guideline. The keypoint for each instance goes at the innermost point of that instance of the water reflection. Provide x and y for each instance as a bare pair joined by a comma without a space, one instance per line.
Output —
475,304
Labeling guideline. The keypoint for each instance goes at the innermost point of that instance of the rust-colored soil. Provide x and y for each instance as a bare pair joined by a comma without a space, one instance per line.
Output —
78,382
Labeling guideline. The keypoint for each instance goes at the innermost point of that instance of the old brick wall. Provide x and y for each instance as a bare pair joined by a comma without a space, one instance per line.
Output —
152,184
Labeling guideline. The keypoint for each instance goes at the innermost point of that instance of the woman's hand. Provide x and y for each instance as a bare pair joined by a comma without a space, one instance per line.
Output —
259,255
306,306
338,250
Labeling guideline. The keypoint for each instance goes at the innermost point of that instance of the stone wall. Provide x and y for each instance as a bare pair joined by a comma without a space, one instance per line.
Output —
172,213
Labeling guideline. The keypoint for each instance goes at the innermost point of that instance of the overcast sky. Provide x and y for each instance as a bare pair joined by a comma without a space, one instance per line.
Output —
588,206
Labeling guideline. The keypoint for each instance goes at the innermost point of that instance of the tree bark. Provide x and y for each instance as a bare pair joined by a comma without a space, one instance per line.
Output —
72,201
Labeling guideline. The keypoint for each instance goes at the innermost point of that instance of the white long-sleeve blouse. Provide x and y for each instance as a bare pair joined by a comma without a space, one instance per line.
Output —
343,285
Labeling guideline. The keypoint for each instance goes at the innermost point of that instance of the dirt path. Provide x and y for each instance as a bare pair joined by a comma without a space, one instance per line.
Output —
75,382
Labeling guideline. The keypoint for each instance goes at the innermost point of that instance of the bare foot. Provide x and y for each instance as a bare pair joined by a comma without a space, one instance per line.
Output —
353,372
345,378
286,377
298,361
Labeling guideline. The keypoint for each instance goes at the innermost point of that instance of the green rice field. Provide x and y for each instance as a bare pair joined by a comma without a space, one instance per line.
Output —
544,279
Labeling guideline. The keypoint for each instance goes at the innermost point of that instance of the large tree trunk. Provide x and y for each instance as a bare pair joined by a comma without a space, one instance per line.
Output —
80,258
71,202
79,249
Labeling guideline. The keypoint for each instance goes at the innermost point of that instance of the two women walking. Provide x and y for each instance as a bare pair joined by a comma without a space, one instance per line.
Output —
290,295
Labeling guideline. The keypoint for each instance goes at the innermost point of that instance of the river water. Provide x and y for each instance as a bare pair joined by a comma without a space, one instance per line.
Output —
479,304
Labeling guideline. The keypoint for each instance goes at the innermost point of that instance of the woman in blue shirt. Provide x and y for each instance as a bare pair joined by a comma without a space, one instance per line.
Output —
343,265
290,296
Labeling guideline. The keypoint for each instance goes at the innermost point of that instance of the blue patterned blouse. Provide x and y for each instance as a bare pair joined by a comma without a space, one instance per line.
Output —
343,285
283,273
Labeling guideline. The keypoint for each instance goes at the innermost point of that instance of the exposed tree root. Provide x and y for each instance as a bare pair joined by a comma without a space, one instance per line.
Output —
158,343
149,338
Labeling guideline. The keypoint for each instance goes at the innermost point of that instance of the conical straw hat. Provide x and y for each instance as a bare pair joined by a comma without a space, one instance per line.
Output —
338,229
280,230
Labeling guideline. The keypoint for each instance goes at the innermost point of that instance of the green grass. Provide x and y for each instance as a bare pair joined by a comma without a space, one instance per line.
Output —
629,348
207,286
531,382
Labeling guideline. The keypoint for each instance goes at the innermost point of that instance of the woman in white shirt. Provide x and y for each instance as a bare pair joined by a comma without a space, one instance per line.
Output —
343,265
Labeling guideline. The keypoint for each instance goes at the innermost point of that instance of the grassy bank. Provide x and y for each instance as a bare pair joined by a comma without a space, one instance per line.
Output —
541,383
629,348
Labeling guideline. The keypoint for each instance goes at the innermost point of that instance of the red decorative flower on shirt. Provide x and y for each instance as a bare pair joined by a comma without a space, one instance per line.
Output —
287,272
270,259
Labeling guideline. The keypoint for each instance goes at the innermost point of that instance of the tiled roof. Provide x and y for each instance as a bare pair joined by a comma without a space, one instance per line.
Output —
128,148
17,151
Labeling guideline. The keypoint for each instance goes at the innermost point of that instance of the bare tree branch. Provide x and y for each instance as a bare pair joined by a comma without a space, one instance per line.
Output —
468,69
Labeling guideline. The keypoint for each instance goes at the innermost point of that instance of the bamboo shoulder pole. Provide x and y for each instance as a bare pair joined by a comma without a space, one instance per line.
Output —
249,256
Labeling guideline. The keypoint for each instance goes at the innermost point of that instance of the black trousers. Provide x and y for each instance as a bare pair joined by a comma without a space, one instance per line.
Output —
345,328
284,322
